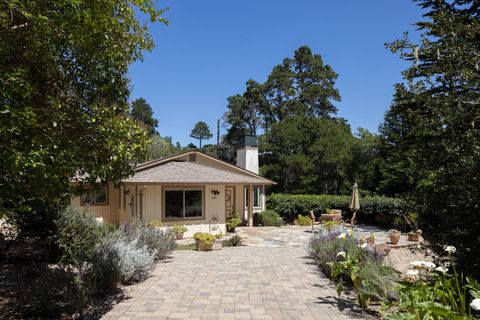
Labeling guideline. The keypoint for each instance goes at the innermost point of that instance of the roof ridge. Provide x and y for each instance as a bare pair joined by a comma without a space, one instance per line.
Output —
209,171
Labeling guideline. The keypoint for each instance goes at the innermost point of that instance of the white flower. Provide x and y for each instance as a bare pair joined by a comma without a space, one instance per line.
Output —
412,273
475,305
428,265
341,254
363,246
417,264
441,269
342,236
451,249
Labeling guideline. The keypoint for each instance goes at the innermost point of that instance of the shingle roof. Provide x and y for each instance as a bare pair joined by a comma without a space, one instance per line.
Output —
191,172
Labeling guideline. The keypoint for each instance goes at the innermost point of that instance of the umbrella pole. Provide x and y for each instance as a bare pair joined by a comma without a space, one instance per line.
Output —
352,222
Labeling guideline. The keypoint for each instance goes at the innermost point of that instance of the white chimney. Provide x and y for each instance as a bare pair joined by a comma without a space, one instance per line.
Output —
247,153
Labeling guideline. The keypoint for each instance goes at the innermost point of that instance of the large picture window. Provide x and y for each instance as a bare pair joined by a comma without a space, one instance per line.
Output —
183,203
97,197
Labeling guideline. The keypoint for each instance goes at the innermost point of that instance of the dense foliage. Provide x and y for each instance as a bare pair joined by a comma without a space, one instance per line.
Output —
303,146
63,102
433,127
141,111
289,206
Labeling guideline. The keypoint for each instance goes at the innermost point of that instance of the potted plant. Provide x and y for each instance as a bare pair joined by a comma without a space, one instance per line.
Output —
204,241
331,215
179,231
154,224
399,223
370,239
414,235
233,222
394,236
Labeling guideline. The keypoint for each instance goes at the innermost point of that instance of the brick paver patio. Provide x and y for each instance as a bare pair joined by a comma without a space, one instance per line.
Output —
250,282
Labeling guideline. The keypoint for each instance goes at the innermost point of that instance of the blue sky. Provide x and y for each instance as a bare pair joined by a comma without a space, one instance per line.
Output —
211,48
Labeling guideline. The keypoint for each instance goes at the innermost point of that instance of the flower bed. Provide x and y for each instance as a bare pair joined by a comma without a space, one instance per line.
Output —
352,264
425,291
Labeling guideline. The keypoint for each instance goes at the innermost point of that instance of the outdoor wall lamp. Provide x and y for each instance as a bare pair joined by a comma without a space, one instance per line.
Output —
126,192
215,192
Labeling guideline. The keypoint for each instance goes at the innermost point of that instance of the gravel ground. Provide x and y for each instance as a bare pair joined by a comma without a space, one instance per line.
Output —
401,257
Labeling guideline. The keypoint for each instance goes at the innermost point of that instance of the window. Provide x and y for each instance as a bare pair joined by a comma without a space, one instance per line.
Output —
257,192
97,197
256,196
183,203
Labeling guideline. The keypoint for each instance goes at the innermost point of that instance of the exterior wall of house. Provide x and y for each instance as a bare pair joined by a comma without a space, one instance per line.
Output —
131,203
109,211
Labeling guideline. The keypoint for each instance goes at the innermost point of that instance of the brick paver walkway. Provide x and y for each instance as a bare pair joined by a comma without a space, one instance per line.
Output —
236,283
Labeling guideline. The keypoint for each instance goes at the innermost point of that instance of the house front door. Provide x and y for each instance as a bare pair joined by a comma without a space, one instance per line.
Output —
229,200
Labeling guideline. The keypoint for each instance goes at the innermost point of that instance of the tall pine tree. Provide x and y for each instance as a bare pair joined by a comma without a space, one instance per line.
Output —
443,137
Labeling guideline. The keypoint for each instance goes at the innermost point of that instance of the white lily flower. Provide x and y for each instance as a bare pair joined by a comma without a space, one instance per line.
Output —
412,273
342,254
451,249
475,305
342,236
428,265
417,264
441,269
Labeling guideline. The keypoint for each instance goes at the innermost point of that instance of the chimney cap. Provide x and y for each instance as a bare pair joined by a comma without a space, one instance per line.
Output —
247,141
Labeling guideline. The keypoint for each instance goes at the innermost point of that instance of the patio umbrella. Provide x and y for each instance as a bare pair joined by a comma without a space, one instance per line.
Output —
354,202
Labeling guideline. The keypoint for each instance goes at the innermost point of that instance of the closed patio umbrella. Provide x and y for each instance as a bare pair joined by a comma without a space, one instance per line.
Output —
354,202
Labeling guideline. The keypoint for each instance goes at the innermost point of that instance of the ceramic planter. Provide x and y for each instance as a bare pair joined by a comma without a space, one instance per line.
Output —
413,237
394,238
179,235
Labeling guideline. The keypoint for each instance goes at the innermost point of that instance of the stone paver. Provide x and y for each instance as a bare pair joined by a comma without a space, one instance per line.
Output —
296,236
250,282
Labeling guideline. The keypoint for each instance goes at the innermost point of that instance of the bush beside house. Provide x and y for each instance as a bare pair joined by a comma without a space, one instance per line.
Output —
98,257
267,218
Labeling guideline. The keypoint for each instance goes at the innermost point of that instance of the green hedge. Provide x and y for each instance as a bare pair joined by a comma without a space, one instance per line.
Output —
290,206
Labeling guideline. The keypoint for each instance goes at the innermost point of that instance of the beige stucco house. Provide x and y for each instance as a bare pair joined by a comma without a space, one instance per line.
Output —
190,188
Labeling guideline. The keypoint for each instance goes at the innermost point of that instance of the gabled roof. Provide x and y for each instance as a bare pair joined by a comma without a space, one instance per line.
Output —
173,170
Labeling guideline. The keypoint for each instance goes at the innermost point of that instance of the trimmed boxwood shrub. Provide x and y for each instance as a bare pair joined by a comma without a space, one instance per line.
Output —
290,206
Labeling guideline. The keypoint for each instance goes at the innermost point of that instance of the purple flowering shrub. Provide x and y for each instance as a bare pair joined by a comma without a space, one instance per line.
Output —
328,246
327,242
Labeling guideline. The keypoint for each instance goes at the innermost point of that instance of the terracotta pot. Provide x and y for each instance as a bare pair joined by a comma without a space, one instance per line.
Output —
394,238
179,235
201,246
413,237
